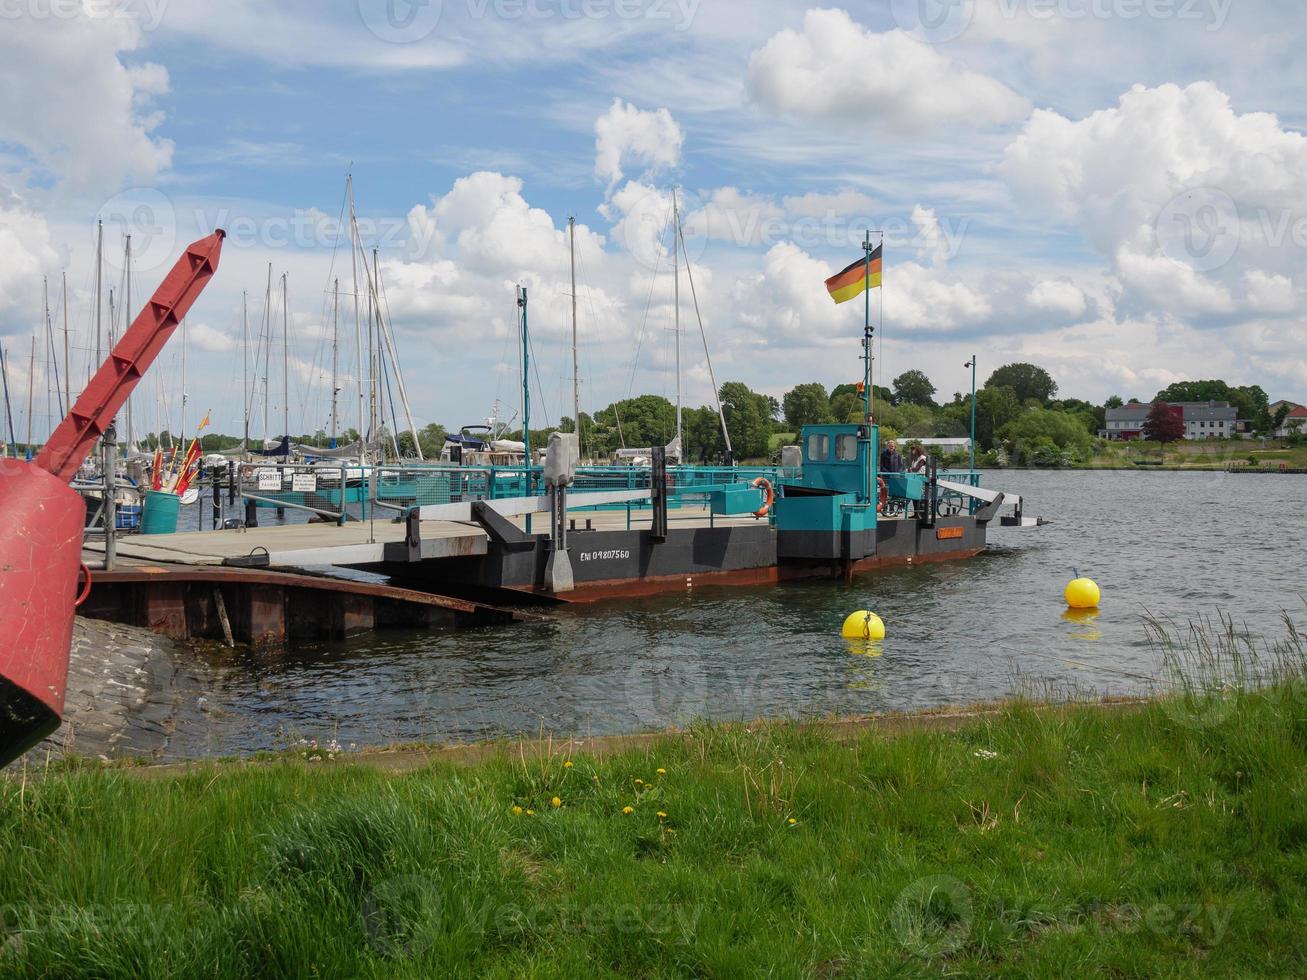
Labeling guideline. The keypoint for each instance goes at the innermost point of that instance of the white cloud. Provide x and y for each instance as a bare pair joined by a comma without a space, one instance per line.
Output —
626,135
1057,296
843,204
835,69
26,253
207,338
1268,293
1179,192
75,106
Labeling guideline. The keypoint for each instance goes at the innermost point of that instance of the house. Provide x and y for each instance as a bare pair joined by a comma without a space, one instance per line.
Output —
1126,423
1202,420
1209,420
1294,423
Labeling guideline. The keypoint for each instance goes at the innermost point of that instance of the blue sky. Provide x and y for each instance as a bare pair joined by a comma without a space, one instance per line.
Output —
1116,189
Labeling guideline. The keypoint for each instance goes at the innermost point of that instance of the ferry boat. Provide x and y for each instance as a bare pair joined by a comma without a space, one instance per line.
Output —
835,516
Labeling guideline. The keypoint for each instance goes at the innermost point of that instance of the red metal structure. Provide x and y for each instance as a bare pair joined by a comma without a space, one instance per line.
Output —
40,553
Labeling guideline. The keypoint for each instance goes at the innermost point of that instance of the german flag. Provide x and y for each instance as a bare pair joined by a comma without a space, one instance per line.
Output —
856,278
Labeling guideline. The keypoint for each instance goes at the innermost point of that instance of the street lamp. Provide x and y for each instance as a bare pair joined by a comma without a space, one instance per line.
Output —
972,364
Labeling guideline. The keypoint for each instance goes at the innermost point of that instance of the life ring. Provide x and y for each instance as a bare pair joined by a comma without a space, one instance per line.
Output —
86,589
882,494
247,472
763,482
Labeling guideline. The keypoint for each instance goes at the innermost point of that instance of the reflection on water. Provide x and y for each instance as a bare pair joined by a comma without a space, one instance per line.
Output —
1182,545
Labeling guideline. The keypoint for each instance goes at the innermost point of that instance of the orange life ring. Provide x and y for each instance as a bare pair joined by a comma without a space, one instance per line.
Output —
762,481
882,494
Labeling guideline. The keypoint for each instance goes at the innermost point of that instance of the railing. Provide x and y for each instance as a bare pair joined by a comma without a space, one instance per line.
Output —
330,489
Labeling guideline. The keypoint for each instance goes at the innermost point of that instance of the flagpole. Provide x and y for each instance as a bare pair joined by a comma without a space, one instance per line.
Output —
866,329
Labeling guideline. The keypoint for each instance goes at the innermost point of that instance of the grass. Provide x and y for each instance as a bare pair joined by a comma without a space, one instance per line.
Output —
1168,839
1201,454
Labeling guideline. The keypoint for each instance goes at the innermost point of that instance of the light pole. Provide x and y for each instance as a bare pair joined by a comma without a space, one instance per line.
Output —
972,364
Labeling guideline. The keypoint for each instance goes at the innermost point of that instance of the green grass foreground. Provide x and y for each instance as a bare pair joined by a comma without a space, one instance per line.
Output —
1163,840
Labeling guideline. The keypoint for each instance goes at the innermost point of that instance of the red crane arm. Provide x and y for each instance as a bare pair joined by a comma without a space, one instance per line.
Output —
86,421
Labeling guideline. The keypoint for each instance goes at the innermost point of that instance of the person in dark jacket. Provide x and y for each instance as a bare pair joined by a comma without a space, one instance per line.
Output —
890,460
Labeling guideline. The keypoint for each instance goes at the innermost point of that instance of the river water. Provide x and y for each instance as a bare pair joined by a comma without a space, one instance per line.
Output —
1180,545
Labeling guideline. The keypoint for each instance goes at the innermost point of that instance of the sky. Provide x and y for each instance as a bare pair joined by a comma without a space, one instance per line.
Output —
1113,189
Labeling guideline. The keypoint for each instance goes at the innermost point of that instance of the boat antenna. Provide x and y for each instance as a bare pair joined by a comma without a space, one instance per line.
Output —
68,364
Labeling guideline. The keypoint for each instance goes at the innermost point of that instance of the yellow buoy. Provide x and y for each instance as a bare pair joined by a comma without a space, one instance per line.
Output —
1082,593
863,625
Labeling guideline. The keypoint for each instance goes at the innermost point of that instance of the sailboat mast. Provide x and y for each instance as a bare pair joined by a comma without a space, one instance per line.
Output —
9,409
49,347
99,269
676,306
386,336
335,345
245,368
127,319
267,336
68,364
358,322
31,378
576,371
285,362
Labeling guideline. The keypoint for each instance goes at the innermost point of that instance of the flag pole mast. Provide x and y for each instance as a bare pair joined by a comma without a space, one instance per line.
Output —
866,328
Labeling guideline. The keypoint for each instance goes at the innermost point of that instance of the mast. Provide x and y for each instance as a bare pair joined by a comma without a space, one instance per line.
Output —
358,322
388,338
676,306
9,410
576,371
267,335
68,364
285,363
707,355
335,330
526,380
245,368
181,432
31,377
127,319
99,268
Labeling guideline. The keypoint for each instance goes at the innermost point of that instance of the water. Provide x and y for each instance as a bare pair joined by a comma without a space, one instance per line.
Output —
1182,545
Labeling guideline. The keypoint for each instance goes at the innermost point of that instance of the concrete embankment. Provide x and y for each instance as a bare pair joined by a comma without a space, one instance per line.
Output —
118,679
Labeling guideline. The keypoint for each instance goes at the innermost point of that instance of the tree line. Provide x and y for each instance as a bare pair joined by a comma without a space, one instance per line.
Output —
1018,415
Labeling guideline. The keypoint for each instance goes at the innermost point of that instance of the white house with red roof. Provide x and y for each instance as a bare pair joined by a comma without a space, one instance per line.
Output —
1294,422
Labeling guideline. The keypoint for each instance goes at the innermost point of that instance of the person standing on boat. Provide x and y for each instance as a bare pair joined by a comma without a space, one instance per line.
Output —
890,460
917,462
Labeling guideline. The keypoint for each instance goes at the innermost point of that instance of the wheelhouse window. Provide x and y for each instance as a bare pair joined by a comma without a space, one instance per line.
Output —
846,447
818,447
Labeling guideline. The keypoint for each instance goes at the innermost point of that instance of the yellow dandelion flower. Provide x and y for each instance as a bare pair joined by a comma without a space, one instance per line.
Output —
628,810
793,821
530,813
662,772
662,815
671,830
567,764
517,811
639,782
555,802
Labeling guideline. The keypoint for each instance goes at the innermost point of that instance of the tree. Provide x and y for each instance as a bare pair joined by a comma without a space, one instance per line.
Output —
1113,402
913,388
702,435
646,421
847,407
807,404
748,419
1162,424
995,408
1043,436
1026,380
